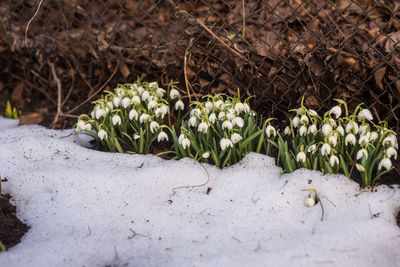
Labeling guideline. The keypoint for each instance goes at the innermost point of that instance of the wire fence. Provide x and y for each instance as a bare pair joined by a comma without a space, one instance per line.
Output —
278,51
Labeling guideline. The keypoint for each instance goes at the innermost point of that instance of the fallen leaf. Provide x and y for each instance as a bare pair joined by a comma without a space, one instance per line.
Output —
31,118
16,96
124,70
378,74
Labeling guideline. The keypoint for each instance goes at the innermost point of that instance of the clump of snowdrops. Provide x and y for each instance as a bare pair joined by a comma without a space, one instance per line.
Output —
221,130
132,117
338,141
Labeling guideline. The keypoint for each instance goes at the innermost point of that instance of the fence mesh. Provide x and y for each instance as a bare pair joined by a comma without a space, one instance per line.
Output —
278,51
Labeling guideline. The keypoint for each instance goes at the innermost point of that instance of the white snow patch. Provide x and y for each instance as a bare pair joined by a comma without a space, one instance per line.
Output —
91,208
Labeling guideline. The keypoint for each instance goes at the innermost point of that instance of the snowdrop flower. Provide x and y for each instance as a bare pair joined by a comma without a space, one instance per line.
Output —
336,110
144,117
133,115
239,122
239,107
135,100
116,101
126,102
364,128
340,130
301,157
313,113
193,121
80,124
100,113
102,134
195,112
325,149
246,108
151,104
373,136
153,84
140,90
326,129
136,136
332,140
154,126
295,122
160,92
312,129
385,163
303,130
173,93
116,119
110,105
88,127
180,138
310,202
362,153
391,152
218,104
333,160
162,136
352,126
145,95
227,124
287,131
209,107
92,114
312,149
179,105
391,140
304,119
235,138
360,167
270,131
221,115
185,143
365,114
203,127
205,155
230,116
350,139
120,92
225,143
212,118
363,140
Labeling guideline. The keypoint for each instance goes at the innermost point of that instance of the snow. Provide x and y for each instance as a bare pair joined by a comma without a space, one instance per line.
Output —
91,208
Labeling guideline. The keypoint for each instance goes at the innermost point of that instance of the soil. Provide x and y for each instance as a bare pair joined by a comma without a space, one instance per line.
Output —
12,229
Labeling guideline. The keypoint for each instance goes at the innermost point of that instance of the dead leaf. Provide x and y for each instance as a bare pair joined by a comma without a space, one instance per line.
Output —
31,118
124,70
16,96
378,74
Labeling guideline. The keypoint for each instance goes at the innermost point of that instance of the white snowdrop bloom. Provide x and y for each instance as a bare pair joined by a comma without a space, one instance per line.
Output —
391,152
225,143
391,140
385,163
303,130
165,110
230,116
140,90
363,129
340,130
195,112
362,153
304,119
125,102
92,114
333,160
331,122
116,119
203,127
246,108
350,139
145,95
133,114
116,101
239,122
270,131
159,112
336,110
227,124
120,92
144,118
180,138
151,104
153,84
154,126
80,124
313,113
239,107
110,105
325,149
310,202
351,125
136,136
205,155
312,129
100,113
235,138
360,167
301,157
135,100
312,149
106,111
160,92
218,104
365,114
326,129
193,121
221,115
133,86
231,110
185,143
363,140
102,134
173,93
287,131
179,105
295,122
209,107
212,118
162,136
374,135
332,140
88,127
